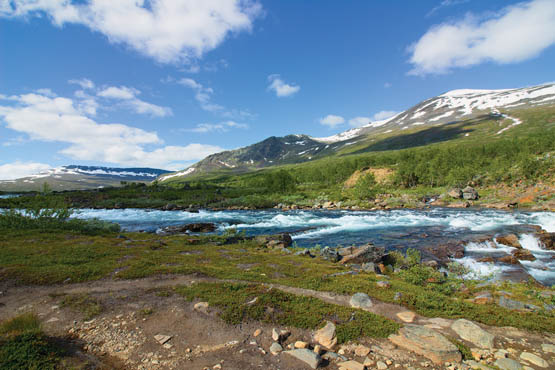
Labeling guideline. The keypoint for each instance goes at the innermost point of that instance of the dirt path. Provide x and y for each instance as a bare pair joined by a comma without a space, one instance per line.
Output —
135,311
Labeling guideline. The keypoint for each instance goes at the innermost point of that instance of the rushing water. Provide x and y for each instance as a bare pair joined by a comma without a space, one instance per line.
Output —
6,196
397,229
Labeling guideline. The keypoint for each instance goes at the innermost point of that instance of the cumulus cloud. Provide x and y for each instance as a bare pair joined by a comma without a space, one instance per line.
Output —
281,88
18,169
203,128
59,119
359,121
128,98
168,31
514,34
332,120
203,95
85,83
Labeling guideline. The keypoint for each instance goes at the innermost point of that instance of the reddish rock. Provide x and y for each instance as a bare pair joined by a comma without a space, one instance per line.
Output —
510,259
486,259
524,255
510,240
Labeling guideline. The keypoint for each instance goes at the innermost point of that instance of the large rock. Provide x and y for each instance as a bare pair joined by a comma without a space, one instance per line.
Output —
510,240
469,193
203,227
307,356
283,240
523,255
326,336
330,254
364,254
534,359
361,300
471,332
455,193
508,364
547,239
426,342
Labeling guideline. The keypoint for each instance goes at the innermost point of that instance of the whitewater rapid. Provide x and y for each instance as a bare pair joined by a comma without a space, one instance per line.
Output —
396,229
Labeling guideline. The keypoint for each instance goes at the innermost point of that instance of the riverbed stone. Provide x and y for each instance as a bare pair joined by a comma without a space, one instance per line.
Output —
471,332
534,359
426,342
361,300
307,356
508,364
326,336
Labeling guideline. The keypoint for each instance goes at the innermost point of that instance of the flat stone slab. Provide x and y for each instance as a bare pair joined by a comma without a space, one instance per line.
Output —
534,359
351,365
361,300
307,356
406,316
162,339
426,342
471,332
508,364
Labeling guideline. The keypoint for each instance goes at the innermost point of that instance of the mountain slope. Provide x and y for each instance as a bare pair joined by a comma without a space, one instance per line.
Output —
81,177
441,111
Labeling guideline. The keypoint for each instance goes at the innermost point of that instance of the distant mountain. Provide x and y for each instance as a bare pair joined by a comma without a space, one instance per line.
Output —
451,107
81,177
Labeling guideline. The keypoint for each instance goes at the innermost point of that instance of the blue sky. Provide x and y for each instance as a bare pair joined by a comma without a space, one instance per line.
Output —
163,83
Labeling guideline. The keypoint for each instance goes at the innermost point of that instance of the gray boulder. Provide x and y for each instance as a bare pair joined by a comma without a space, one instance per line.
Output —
307,356
469,193
360,300
364,254
471,332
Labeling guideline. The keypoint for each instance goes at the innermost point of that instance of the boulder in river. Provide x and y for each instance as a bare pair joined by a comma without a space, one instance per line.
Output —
524,255
203,227
510,240
363,254
547,239
469,193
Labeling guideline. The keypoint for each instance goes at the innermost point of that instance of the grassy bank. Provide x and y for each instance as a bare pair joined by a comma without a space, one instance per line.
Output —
36,257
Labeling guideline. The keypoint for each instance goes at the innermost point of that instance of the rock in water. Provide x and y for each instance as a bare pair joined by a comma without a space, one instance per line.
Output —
426,342
326,336
469,193
205,227
307,356
361,300
510,240
471,332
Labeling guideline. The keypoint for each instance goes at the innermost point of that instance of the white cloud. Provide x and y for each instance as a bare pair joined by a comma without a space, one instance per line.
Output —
16,170
281,88
359,121
203,128
168,31
384,114
203,95
514,34
332,120
85,83
59,119
128,96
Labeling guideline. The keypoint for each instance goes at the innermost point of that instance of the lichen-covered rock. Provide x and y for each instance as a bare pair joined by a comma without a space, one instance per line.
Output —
360,300
472,333
307,356
326,336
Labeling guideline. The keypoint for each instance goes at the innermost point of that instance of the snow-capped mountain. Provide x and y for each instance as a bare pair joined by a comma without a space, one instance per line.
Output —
456,105
81,177
450,107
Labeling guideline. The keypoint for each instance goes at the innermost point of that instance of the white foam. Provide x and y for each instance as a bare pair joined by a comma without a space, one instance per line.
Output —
481,270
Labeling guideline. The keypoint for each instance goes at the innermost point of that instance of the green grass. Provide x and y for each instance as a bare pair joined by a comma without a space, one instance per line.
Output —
276,307
50,258
23,345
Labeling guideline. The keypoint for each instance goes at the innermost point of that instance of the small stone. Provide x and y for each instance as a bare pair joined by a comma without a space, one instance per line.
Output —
388,362
381,365
361,300
502,353
167,346
383,284
300,344
275,334
406,316
217,367
307,356
476,365
326,336
508,364
351,365
318,349
54,319
534,359
162,339
362,351
257,332
201,307
332,356
275,348
548,348
368,362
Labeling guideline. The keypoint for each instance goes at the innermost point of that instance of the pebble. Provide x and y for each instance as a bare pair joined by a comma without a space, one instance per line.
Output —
362,351
300,344
275,348
257,332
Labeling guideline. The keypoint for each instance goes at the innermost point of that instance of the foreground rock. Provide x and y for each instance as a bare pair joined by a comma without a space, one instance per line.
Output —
326,336
508,364
361,300
275,241
204,227
426,342
362,254
472,333
307,356
534,359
